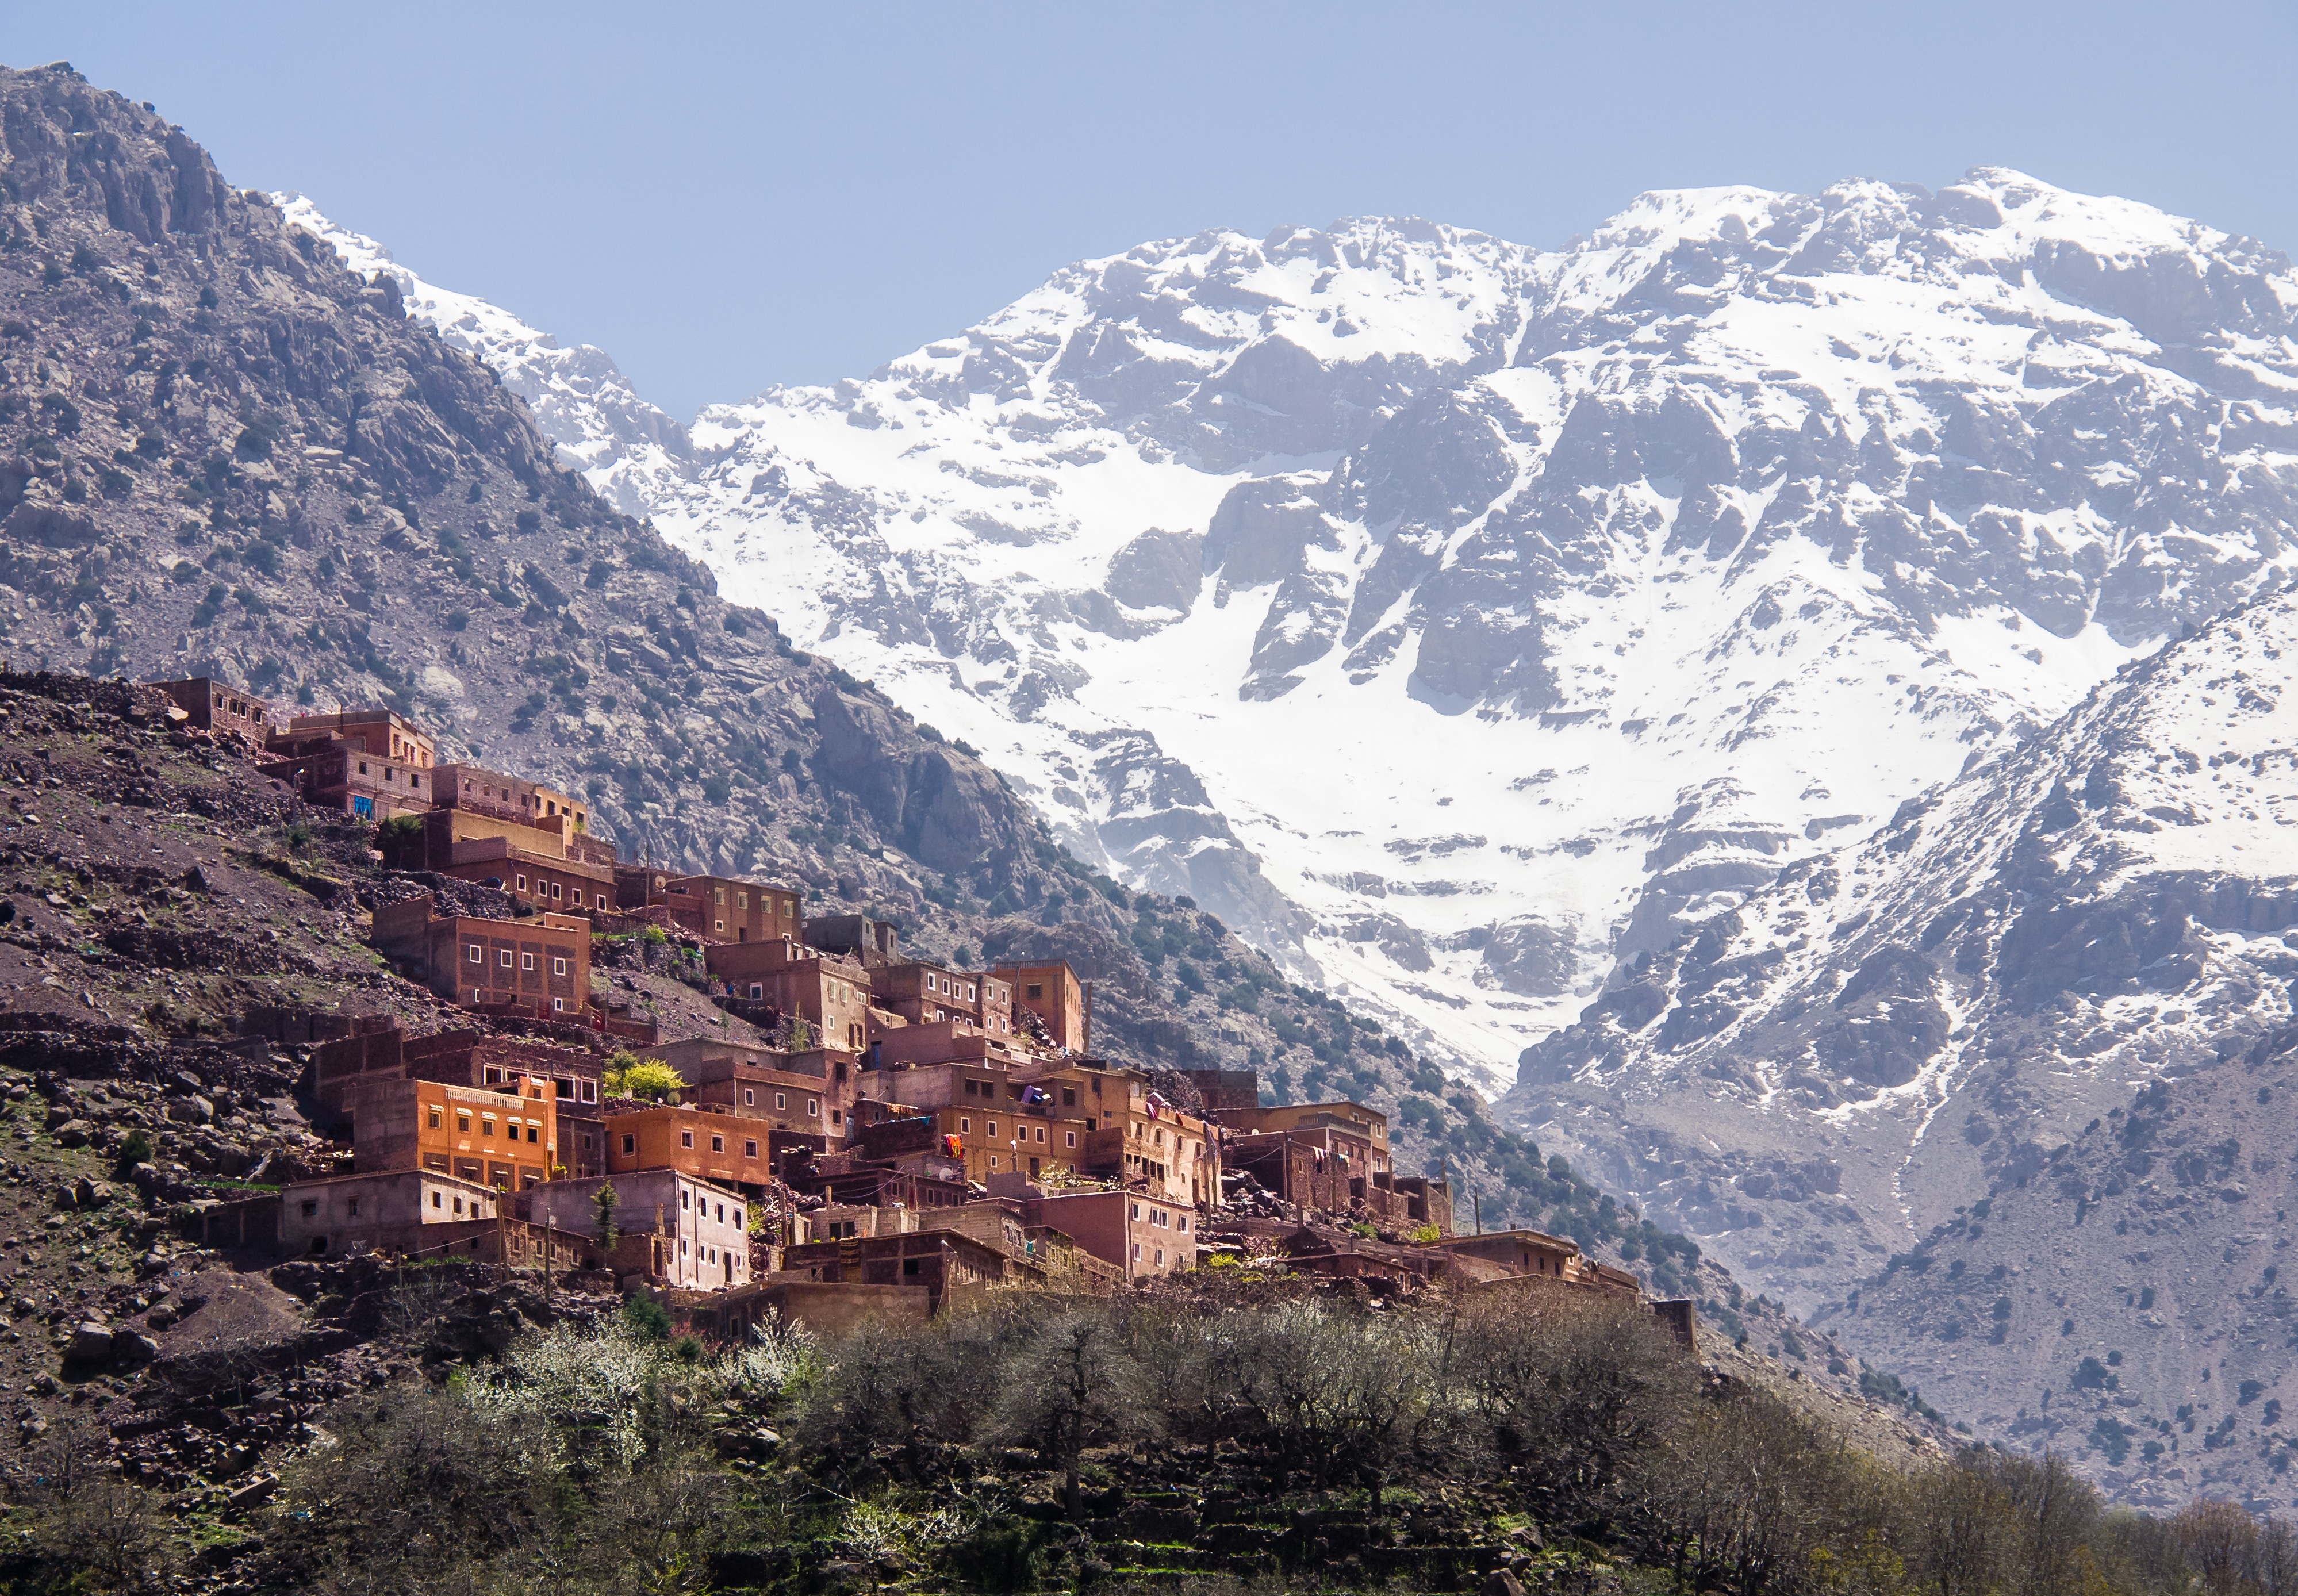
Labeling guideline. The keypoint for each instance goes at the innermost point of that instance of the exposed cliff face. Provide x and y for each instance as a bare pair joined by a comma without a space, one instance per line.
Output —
2037,990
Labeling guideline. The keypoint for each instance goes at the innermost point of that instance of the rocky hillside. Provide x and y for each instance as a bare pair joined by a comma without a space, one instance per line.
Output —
1617,577
2021,1053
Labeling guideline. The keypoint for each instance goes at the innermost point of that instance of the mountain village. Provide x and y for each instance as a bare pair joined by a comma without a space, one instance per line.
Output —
906,1135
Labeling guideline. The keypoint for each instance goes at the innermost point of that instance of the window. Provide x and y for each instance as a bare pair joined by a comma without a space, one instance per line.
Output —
458,1205
354,1208
717,1144
1185,1224
721,924
685,1198
310,1209
479,954
813,1108
434,1119
992,1160
526,961
435,1199
1072,1136
964,1125
630,1144
722,1213
590,1091
558,1006
737,1218
1161,1257
554,889
558,966
487,1125
749,1149
1069,1096
463,1121
749,1097
1036,990
1136,1211
1137,1251
535,1133
990,1126
504,960
686,1138
782,1100
521,883
578,897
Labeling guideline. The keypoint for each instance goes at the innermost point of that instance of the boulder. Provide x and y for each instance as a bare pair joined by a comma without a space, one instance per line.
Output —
132,1349
91,1343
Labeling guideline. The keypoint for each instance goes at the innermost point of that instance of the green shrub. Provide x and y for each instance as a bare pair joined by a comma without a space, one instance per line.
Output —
647,1320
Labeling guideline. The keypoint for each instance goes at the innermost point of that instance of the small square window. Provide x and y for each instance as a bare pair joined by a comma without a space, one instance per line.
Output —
686,1138
630,1144
749,1149
813,1107
479,954
462,1123
749,1097
782,1100
558,966
505,959
434,1119
526,961
717,1144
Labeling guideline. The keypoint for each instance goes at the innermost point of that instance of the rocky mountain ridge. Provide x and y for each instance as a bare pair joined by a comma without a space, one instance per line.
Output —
2038,1032
1774,509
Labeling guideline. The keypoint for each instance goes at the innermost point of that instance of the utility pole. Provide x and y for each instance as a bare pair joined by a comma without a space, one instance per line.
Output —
1477,1198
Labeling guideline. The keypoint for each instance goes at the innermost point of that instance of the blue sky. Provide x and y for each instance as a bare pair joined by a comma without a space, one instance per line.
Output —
728,197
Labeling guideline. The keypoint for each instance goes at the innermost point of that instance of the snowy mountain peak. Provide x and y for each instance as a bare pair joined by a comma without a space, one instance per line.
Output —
1599,584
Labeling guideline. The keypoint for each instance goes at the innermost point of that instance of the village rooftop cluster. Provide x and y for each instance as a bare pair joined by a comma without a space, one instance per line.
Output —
923,1133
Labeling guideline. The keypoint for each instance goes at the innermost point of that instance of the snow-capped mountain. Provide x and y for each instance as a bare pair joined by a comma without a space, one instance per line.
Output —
1459,619
2008,1083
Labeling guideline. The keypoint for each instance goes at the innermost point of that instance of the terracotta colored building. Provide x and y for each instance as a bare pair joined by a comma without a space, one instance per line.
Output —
374,730
929,994
473,1058
723,1149
869,943
1138,1233
540,965
829,993
506,1138
1052,993
484,791
218,706
329,773
811,1093
1363,1131
715,908
543,861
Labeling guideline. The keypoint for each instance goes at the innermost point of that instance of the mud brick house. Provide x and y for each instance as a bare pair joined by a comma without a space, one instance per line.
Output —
374,730
378,1210
1362,1131
1152,1146
931,994
896,1046
811,1093
507,1139
1001,1124
1055,995
720,1148
831,994
1514,1253
482,791
328,773
915,1181
1002,1222
373,1049
538,966
540,860
727,909
953,1268
216,707
1136,1233
473,1058
871,944
702,1228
